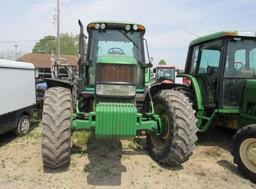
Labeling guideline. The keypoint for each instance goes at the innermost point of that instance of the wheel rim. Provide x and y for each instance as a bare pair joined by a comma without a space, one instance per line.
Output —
248,154
159,141
24,125
165,124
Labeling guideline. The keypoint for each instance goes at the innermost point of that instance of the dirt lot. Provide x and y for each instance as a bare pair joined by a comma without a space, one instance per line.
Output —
119,165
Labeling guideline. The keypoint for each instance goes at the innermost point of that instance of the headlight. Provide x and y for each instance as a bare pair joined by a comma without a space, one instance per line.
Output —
97,26
115,90
127,27
135,27
102,26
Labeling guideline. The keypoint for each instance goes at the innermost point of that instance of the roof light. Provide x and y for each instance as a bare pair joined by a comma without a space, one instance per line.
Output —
127,27
97,26
141,27
102,26
135,27
91,26
247,34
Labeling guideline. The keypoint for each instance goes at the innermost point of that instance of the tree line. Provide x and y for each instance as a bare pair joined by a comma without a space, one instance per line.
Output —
47,45
68,45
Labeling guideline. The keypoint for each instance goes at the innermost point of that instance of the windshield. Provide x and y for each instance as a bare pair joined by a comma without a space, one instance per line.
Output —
241,58
116,43
166,73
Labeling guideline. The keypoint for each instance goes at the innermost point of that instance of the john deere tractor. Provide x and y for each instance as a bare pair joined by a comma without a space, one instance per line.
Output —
222,71
113,97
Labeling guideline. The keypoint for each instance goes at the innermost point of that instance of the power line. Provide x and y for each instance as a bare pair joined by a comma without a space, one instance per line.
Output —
22,41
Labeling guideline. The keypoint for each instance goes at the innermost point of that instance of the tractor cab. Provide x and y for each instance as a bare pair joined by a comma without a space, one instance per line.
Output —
165,74
116,57
222,67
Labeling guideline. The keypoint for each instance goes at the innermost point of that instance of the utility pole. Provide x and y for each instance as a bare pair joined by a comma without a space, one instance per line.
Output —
58,31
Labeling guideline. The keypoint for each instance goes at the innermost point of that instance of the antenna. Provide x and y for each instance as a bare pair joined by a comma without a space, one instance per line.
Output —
191,33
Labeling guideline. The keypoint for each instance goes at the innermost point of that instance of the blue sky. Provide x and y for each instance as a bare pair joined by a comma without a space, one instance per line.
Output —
167,22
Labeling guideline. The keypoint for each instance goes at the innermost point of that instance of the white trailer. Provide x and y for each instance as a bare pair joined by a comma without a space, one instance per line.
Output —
17,95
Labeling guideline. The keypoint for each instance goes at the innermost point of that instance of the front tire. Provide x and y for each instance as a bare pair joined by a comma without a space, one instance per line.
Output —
177,140
244,151
23,126
56,128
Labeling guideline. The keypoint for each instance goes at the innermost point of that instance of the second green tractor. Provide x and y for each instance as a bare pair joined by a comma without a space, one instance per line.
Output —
221,68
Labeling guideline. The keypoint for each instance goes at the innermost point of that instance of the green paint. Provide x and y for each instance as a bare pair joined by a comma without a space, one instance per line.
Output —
139,90
229,110
116,59
147,77
213,36
116,120
196,88
248,103
90,89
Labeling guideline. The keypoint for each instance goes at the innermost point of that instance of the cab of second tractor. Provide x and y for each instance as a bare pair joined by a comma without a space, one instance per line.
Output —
113,96
165,74
222,70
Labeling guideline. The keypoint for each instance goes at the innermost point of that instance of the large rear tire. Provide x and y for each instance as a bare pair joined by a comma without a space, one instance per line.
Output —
56,128
175,144
244,151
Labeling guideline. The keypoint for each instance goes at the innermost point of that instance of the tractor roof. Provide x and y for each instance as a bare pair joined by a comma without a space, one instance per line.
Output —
221,34
164,66
116,24
113,22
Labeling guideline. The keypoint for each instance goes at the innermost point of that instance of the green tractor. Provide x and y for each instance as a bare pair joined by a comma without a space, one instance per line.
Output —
222,71
113,96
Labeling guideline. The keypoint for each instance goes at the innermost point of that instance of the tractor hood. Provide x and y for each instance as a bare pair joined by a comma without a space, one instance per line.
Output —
116,59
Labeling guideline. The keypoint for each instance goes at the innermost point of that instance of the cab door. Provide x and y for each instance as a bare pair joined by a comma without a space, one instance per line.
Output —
205,67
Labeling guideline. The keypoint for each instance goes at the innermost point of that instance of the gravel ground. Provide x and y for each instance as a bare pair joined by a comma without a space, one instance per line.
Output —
120,164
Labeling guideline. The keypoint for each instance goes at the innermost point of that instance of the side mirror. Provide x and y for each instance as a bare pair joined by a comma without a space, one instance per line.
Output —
149,65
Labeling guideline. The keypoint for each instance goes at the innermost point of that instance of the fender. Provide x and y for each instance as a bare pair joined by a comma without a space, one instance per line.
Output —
156,87
196,89
55,82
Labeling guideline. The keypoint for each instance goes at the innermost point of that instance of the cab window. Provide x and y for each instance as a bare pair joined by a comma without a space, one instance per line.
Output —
194,59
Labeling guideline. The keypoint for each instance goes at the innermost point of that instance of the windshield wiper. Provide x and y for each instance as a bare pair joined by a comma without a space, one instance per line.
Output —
124,34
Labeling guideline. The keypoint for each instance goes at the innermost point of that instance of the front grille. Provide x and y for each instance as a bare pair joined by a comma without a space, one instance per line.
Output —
116,73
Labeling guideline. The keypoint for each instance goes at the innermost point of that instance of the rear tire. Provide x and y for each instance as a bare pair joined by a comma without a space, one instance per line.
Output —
175,144
56,128
244,151
188,92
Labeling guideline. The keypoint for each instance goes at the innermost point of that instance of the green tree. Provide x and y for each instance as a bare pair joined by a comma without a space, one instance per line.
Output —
68,44
162,62
47,45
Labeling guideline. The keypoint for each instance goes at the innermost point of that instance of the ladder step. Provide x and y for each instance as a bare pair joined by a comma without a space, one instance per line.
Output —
206,118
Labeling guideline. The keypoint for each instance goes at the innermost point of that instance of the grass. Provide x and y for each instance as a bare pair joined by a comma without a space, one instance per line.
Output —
80,140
